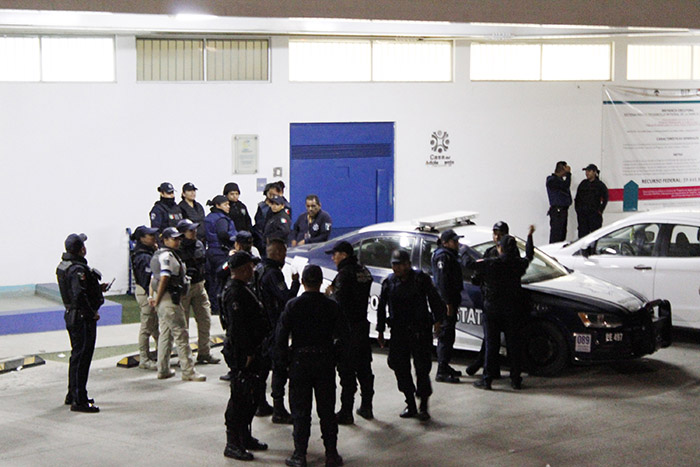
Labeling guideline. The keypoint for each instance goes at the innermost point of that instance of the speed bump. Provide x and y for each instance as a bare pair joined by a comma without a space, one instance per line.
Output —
131,361
17,363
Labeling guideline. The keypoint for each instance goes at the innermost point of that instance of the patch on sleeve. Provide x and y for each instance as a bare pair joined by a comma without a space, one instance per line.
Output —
328,226
440,265
153,216
281,285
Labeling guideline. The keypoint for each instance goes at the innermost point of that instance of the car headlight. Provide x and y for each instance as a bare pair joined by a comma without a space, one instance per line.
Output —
600,320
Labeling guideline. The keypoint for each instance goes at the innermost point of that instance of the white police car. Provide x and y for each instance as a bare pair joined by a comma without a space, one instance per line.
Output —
573,317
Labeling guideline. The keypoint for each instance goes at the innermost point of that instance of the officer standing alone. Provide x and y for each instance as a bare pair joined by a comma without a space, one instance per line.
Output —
146,245
81,293
246,330
559,193
406,293
447,276
351,288
313,321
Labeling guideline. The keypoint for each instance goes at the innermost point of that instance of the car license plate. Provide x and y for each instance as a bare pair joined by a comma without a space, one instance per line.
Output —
583,342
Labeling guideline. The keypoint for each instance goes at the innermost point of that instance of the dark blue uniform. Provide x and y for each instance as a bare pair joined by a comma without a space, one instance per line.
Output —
240,216
316,231
411,323
141,264
351,289
559,194
277,225
82,297
219,231
194,213
447,276
591,200
313,321
165,213
246,331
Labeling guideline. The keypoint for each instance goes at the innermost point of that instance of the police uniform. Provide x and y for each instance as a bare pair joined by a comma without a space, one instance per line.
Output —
220,232
171,315
411,322
165,212
246,331
313,321
277,225
316,231
447,276
192,253
351,289
141,266
274,295
195,213
590,202
82,296
559,194
238,211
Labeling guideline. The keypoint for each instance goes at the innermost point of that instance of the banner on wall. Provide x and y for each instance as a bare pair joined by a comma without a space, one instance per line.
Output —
651,147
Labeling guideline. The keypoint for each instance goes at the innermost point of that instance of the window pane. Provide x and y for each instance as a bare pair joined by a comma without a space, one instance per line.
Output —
229,60
169,60
376,252
77,58
411,61
635,240
696,62
19,59
506,62
561,62
327,60
685,242
659,61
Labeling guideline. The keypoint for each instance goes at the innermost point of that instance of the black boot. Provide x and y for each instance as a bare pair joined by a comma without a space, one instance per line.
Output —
252,443
365,410
444,375
279,413
234,447
410,411
333,459
296,460
264,408
423,414
344,415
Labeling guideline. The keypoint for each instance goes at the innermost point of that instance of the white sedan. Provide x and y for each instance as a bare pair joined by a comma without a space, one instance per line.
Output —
656,253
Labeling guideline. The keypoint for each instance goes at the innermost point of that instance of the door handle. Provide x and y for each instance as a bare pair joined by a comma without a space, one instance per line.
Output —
641,267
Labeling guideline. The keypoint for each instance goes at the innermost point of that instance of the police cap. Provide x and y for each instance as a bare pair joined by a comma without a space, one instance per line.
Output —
170,232
592,167
400,256
241,258
166,187
186,224
189,186
277,200
448,235
501,226
341,247
244,237
142,231
75,242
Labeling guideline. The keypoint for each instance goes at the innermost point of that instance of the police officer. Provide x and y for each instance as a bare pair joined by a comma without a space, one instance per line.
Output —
221,233
192,210
503,304
247,329
314,226
165,212
407,293
238,212
351,288
275,294
447,276
271,190
277,224
559,193
146,245
169,283
313,321
590,202
81,293
192,253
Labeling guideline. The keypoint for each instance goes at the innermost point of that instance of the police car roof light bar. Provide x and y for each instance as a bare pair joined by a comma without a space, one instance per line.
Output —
448,219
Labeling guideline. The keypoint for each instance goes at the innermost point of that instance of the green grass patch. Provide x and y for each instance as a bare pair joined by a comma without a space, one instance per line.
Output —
131,313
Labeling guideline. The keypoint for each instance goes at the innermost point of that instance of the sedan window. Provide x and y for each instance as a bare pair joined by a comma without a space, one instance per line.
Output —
376,252
685,241
633,240
541,268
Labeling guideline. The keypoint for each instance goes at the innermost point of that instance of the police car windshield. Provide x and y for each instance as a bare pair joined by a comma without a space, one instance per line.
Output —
541,268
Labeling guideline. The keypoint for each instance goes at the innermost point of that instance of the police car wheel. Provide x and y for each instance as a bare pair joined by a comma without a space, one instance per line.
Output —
545,350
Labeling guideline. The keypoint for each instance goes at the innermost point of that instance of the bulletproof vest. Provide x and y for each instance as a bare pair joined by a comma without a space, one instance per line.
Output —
95,297
176,280
210,228
63,285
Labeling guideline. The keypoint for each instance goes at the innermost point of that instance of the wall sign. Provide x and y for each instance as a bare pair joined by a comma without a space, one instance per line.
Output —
245,154
439,144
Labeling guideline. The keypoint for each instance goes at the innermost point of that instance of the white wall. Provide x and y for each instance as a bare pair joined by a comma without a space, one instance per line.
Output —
88,157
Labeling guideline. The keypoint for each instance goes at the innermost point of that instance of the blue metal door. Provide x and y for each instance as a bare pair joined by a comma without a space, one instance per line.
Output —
350,166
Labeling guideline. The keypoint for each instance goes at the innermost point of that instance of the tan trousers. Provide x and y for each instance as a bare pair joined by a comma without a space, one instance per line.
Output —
198,300
173,327
149,323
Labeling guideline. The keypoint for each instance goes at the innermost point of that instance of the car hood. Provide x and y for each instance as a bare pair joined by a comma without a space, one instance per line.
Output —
584,288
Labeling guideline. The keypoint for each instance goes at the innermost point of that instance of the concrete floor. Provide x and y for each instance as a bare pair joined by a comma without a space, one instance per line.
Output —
643,412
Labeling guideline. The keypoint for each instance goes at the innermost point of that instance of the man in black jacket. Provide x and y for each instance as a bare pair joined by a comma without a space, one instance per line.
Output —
313,322
243,346
146,245
81,293
351,288
447,276
591,200
406,293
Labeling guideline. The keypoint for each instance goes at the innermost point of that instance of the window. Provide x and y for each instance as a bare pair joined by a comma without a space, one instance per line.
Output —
57,58
660,62
540,62
427,249
634,240
184,59
376,252
361,60
685,241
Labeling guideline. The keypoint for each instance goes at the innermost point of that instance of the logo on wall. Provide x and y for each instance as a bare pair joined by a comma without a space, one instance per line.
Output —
439,144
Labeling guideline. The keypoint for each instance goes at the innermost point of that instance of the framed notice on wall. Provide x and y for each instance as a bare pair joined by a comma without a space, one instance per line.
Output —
245,154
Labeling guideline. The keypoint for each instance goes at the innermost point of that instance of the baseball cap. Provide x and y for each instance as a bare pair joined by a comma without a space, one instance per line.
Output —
189,186
592,167
74,242
448,235
277,200
170,232
142,230
186,224
501,227
244,237
341,247
166,187
312,274
400,256
241,258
